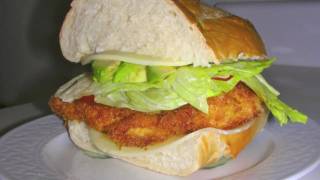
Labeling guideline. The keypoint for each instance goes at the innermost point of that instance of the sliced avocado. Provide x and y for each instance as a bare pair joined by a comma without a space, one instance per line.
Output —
128,72
156,73
103,71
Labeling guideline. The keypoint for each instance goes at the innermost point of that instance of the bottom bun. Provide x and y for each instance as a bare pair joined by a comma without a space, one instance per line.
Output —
181,156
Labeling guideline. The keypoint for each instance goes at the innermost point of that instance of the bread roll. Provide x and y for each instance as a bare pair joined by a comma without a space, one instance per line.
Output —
180,30
180,157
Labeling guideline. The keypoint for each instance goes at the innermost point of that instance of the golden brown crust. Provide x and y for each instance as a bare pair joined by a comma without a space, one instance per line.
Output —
230,36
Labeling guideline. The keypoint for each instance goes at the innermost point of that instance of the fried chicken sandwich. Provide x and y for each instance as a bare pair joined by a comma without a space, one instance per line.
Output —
175,85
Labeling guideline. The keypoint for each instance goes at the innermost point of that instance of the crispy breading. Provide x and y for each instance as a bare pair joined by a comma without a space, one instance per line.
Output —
132,128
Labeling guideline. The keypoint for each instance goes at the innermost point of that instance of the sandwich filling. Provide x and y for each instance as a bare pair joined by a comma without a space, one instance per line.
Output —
133,128
138,105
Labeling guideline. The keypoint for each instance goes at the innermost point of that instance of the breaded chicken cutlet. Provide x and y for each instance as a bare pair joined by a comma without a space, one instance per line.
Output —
132,128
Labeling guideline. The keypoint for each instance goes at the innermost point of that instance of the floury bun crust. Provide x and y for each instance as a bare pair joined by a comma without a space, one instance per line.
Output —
180,30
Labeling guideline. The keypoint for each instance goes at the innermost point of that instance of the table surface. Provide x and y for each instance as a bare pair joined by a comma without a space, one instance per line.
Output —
299,91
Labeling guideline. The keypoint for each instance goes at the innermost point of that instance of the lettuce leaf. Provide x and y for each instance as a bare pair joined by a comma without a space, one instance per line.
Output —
110,87
279,109
157,88
241,68
193,85
149,99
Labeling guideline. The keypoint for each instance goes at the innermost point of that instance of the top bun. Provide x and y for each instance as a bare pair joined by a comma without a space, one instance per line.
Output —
181,30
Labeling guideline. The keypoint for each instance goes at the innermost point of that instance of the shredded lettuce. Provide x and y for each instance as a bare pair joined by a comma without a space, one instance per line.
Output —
239,68
261,79
193,85
279,109
158,88
110,87
151,99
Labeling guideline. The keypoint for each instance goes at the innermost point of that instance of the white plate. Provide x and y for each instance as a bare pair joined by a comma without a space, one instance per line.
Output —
41,150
